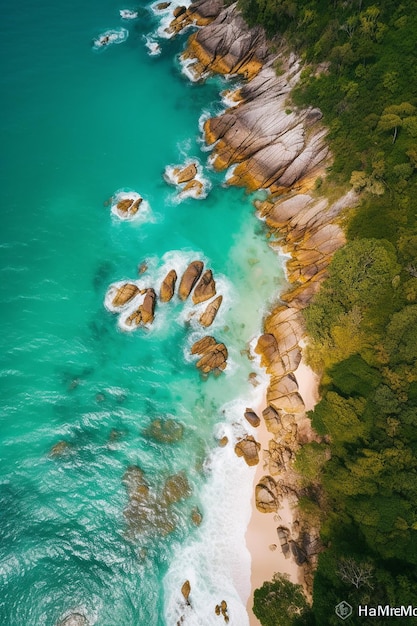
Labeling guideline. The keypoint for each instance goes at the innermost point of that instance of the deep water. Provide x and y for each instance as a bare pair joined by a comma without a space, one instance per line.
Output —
78,394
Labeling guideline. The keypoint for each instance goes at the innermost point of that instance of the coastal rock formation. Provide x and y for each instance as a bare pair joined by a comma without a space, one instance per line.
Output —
227,46
273,146
249,449
252,418
205,288
209,314
213,354
124,294
189,279
168,286
200,13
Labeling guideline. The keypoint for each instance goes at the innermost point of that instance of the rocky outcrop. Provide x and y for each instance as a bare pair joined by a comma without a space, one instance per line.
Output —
227,46
209,314
205,288
189,279
124,294
168,286
213,355
273,146
248,448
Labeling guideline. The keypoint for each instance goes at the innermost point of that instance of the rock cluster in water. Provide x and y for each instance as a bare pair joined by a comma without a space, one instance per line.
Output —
187,178
213,355
140,305
149,512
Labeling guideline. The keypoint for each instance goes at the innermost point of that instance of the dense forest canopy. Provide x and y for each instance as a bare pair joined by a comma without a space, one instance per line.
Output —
360,62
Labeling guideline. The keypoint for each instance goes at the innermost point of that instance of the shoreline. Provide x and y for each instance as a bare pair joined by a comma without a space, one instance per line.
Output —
262,541
274,146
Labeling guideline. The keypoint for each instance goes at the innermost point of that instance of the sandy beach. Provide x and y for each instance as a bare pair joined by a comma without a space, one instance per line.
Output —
261,535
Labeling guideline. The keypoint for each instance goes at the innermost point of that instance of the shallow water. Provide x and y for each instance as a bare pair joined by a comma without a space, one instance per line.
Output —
79,393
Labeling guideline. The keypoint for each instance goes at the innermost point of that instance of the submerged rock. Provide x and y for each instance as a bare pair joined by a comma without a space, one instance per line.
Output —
196,516
165,430
75,619
176,488
60,449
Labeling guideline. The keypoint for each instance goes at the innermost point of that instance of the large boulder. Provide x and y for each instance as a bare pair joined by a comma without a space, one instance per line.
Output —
186,590
148,306
210,312
189,279
249,449
205,289
168,286
124,294
252,418
272,420
266,495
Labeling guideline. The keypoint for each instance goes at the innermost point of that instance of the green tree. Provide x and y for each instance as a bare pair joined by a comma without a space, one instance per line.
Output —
279,602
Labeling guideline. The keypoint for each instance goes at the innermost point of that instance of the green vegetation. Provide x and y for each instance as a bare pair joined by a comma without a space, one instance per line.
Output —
361,70
280,603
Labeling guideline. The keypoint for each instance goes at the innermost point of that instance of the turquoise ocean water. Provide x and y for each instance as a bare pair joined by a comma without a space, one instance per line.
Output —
77,125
